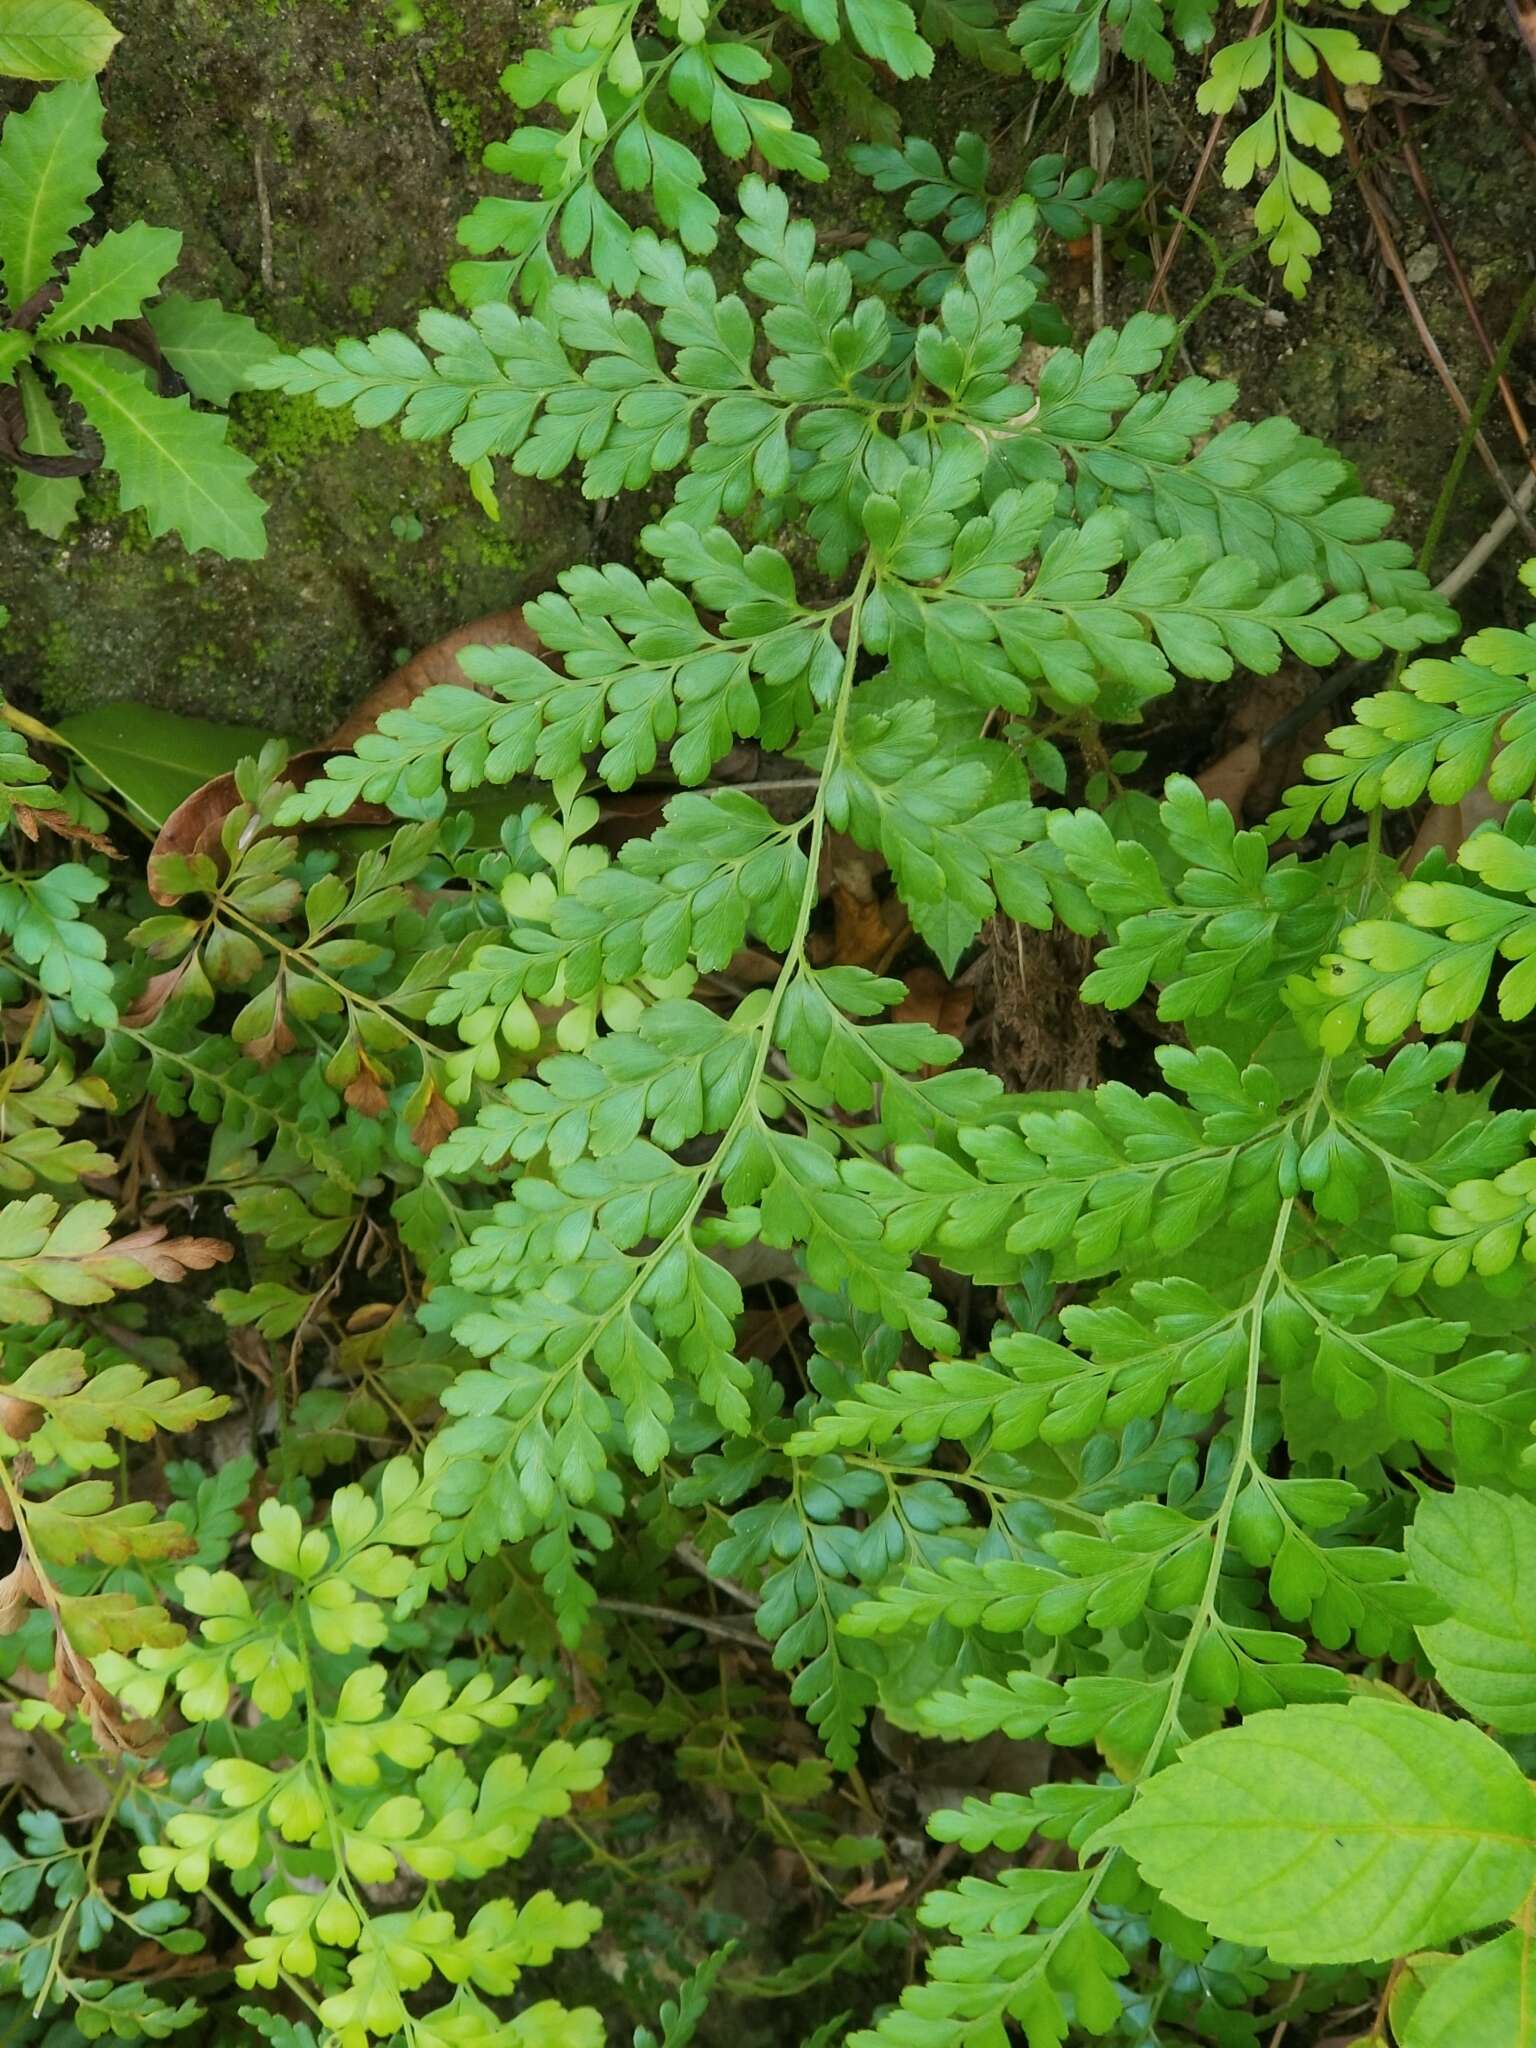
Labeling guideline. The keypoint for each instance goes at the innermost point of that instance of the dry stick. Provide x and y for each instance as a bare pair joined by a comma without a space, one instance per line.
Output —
1449,584
1431,347
1172,250
264,219
705,1624
1523,14
1459,277
1501,105
1484,399
1098,159
1218,122
689,1554
1491,542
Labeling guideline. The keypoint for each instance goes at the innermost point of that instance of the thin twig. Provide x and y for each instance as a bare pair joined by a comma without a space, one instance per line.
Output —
1160,280
1459,278
706,1624
1431,347
1218,123
264,219
1455,579
1501,105
1491,542
1098,159
689,1554
1523,14
1449,587
1496,369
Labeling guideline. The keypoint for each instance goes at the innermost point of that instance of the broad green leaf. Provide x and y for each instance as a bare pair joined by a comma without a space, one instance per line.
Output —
1487,1998
48,158
170,460
1335,1834
1415,1975
1477,1549
156,758
49,39
208,346
112,279
47,503
15,347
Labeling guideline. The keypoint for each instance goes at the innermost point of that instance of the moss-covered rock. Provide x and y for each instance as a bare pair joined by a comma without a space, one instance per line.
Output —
315,164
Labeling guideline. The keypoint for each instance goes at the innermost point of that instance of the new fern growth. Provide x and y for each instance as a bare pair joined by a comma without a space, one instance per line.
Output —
1279,66
346,1780
613,86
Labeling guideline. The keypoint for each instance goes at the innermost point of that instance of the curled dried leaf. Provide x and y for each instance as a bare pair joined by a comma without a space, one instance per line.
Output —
365,1094
435,1123
438,663
1228,780
18,1419
194,826
158,991
171,1258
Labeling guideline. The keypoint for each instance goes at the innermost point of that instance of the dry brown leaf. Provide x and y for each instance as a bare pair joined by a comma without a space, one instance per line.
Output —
33,1762
435,1123
168,1258
867,930
868,1893
438,663
158,990
1039,1035
930,999
195,824
373,1315
861,930
1443,826
269,1045
631,814
112,1728
247,1347
752,968
763,1332
20,1589
1229,780
365,1092
28,820
18,1418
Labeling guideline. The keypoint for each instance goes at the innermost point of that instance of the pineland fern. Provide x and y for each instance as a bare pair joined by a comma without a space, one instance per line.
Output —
1165,1478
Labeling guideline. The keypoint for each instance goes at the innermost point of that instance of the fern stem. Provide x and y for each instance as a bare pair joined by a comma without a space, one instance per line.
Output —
795,964
245,1930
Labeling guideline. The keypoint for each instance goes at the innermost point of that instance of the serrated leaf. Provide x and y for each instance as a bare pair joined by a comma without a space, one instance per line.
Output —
173,462
1477,1549
48,172
1338,1834
111,280
212,349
